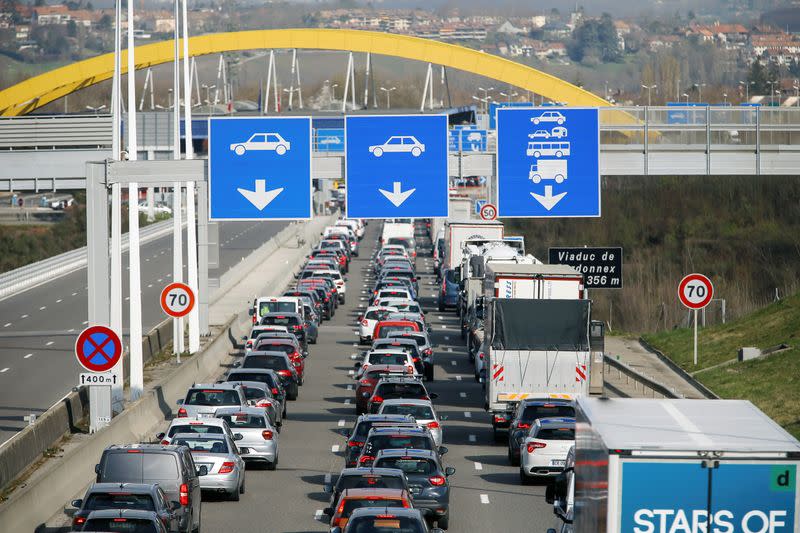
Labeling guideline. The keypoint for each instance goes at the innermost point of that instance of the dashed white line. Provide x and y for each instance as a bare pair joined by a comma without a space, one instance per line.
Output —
327,479
458,378
6,369
453,363
24,316
335,448
467,414
149,285
85,322
49,343
349,387
58,301
42,308
7,324
347,401
473,438
160,280
341,423
450,350
127,298
443,326
351,372
462,394
484,498
28,356
478,466
318,514
74,294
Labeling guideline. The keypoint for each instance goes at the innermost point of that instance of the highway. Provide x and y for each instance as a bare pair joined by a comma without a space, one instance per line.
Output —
486,493
38,327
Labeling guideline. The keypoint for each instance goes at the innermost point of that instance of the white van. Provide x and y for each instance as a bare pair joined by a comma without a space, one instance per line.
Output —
275,304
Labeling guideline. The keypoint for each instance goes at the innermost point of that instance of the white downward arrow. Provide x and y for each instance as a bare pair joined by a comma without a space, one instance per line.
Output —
260,197
397,197
548,201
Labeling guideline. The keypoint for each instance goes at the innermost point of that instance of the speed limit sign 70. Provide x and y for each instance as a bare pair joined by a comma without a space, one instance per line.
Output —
695,291
177,299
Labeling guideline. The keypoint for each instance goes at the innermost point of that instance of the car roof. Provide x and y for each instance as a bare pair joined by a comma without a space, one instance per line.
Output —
123,513
360,471
383,418
145,447
382,367
248,384
223,385
234,371
138,488
269,315
402,430
197,421
264,352
394,340
407,401
381,351
542,401
404,452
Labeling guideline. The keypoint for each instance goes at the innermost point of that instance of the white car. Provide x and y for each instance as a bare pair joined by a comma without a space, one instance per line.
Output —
255,331
367,321
341,286
195,425
422,411
257,434
403,305
398,144
386,356
550,116
559,132
354,225
544,451
272,142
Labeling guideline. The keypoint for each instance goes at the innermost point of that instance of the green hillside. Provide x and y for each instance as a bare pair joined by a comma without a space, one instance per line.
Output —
771,382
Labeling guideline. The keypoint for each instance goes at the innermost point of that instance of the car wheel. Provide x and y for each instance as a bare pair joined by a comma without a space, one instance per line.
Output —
234,496
416,151
523,478
362,340
377,152
560,121
313,341
239,150
559,154
280,150
241,488
537,154
443,522
513,461
273,465
441,307
496,435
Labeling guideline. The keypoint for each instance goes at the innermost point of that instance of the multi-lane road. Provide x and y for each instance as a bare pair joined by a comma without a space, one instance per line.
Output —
486,493
38,327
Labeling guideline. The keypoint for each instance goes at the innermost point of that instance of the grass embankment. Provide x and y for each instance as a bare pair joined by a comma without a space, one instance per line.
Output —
771,382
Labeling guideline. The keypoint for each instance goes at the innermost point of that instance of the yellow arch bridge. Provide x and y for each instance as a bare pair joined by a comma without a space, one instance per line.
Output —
38,91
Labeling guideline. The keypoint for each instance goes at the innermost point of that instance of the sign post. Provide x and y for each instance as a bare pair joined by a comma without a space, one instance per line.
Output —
695,291
177,300
98,349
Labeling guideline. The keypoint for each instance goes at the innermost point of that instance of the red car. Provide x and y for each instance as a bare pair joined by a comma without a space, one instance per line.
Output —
371,378
384,327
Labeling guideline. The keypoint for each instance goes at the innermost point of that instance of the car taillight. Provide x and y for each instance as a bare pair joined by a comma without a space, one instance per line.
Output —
297,327
78,521
295,355
427,351
165,442
377,399
365,382
274,390
499,418
523,425
181,412
535,446
355,444
365,459
480,356
433,425
266,434
365,322
184,494
226,468
285,373
255,319
340,510
436,481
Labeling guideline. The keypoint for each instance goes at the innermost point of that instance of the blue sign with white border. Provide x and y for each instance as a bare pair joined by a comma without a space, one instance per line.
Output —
259,168
329,140
548,162
494,106
467,140
396,166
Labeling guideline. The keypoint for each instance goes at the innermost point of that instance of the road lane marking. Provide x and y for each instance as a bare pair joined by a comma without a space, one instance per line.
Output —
85,322
450,350
349,387
42,308
74,294
58,301
473,438
7,324
441,317
347,401
478,466
341,423
24,316
327,479
49,343
70,330
318,514
351,372
446,338
444,327
150,286
458,378
453,363
462,394
335,448
6,369
467,414
484,498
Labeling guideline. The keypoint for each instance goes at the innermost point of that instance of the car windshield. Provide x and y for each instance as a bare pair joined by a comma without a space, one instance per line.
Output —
204,445
385,330
119,500
377,314
535,412
407,307
270,362
409,465
194,428
139,467
351,505
276,307
402,241
420,412
120,525
556,434
244,421
385,442
247,376
392,293
212,397
280,321
369,481
272,346
253,393
401,390
388,358
385,523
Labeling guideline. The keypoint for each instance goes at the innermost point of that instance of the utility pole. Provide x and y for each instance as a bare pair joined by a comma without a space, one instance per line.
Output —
177,190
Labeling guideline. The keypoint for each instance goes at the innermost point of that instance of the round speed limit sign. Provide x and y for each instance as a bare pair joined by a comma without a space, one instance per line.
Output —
177,299
488,212
695,291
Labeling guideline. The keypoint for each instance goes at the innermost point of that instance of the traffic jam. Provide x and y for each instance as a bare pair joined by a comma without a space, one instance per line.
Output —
391,472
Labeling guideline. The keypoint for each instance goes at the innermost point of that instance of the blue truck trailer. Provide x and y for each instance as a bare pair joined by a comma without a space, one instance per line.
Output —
681,466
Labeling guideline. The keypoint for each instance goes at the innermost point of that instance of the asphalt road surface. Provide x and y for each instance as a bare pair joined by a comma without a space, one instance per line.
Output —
38,327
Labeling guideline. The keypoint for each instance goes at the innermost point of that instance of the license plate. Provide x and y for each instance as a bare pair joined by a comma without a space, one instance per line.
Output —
416,490
558,462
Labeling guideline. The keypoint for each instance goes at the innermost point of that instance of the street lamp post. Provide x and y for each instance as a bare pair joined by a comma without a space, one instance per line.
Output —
746,89
649,88
725,98
700,91
509,96
486,97
388,95
686,95
772,92
96,110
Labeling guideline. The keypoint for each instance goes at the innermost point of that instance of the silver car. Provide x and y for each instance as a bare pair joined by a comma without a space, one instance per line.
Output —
204,399
200,426
222,460
258,394
259,437
422,411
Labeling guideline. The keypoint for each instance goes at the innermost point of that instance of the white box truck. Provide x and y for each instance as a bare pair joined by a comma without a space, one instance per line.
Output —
534,349
539,281
458,232
669,466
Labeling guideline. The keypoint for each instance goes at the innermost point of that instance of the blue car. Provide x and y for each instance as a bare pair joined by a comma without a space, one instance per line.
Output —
448,291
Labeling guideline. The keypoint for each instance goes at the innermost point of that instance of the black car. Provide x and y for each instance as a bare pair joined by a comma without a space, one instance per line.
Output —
375,519
172,467
526,413
316,297
366,478
276,361
399,438
276,383
124,521
134,496
358,435
427,478
293,322
398,387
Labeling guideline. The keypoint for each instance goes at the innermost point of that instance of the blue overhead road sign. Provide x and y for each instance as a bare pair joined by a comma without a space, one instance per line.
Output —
548,162
467,140
329,140
259,168
396,166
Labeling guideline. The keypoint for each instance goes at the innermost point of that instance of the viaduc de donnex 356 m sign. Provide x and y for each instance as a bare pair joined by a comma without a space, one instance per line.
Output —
601,267
259,168
548,162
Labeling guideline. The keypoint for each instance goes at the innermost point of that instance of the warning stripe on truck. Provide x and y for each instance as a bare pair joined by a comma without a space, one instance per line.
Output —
497,372
580,372
516,397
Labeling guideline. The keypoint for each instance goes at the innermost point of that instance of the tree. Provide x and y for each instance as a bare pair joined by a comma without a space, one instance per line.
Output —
757,78
72,28
595,39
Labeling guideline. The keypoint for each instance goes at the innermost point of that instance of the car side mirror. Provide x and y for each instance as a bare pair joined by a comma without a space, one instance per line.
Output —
160,436
328,511
76,503
433,395
202,471
244,338
97,469
449,471
236,364
244,451
251,311
238,436
179,402
444,417
443,450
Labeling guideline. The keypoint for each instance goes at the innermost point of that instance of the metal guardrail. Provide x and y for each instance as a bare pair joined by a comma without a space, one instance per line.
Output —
52,132
646,383
30,276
